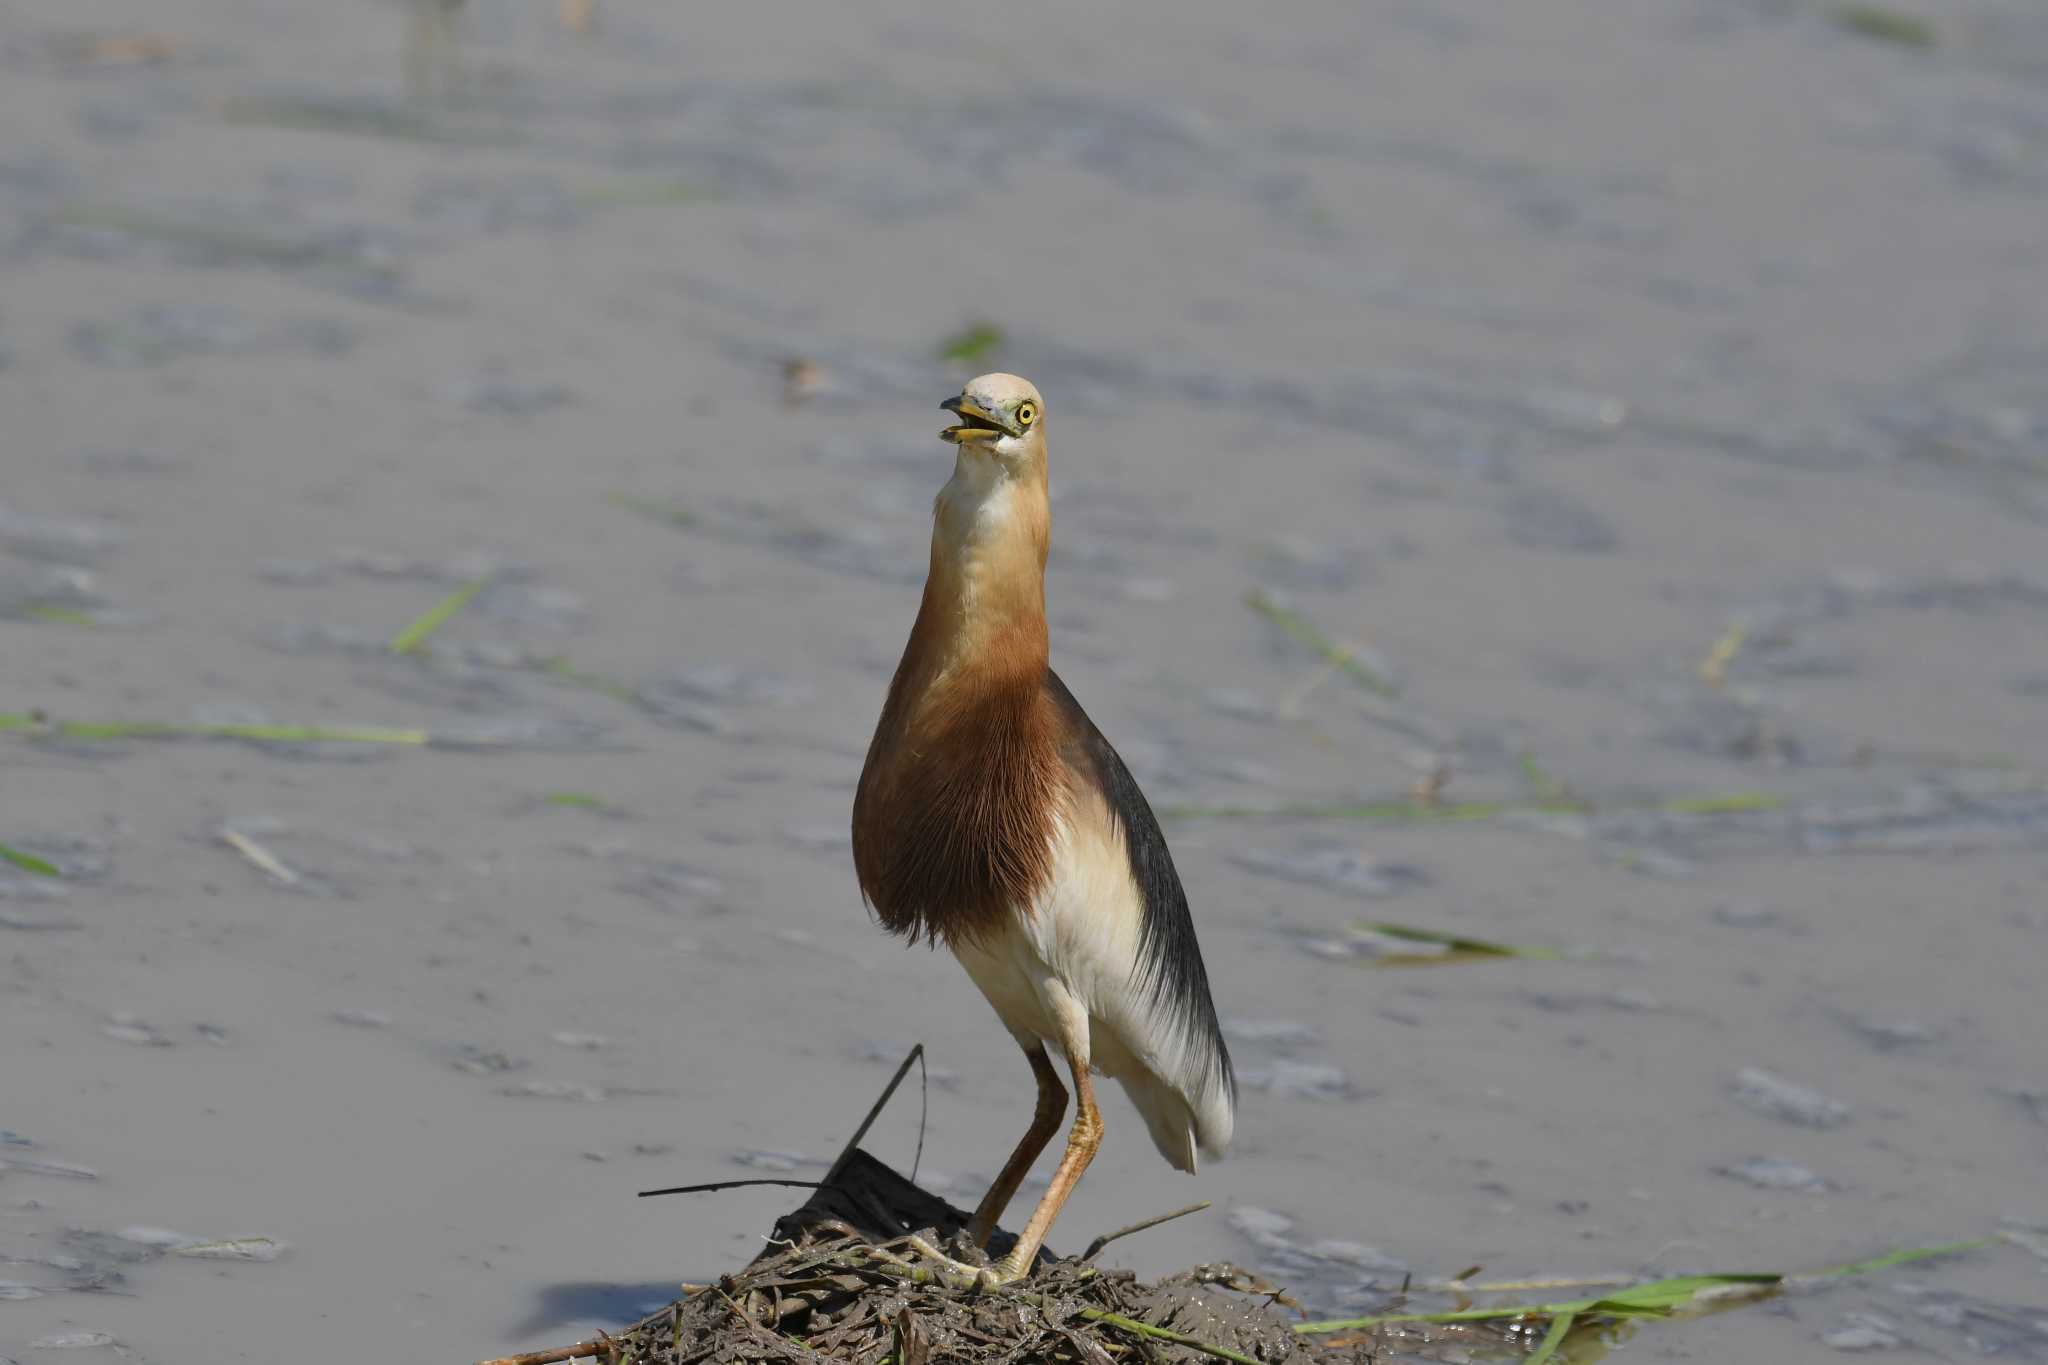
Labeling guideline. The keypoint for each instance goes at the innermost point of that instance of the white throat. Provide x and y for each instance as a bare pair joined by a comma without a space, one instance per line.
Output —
975,501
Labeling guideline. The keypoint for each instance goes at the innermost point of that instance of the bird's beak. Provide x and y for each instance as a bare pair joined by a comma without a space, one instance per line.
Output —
976,426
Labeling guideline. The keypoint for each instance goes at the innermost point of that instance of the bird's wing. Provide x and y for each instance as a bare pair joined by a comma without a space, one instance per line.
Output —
1170,981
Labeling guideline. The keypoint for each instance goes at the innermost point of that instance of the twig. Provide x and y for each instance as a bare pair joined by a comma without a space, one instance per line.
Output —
924,1110
874,1113
1095,1247
731,1185
262,858
576,1352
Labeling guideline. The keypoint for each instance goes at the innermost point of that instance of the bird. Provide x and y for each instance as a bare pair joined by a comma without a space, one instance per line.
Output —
994,819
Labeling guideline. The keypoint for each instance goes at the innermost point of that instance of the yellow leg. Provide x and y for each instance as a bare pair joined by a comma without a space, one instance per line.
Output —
1082,1141
1045,1121
578,15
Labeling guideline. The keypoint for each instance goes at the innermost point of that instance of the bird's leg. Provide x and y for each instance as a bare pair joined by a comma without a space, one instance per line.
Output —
1045,1121
1082,1140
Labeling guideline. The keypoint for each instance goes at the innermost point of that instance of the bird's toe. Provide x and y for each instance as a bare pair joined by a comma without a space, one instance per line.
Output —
958,1274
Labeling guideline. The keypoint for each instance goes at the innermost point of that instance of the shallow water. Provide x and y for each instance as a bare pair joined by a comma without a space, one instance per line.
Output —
1528,354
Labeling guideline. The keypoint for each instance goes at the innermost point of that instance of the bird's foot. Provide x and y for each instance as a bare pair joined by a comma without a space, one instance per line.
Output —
953,1273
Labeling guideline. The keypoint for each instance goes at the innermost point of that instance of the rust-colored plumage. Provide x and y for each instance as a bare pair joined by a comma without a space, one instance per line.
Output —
956,809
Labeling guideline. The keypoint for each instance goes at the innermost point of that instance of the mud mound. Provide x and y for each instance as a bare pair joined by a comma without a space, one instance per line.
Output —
833,1286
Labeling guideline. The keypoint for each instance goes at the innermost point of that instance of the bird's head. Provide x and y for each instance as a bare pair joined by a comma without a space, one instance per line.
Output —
1001,416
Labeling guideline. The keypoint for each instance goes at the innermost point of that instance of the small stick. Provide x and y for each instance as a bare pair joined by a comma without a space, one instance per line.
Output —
853,1142
731,1185
1095,1247
264,860
560,1353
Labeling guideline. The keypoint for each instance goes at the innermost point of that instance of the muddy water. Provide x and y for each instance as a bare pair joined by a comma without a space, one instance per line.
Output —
1525,354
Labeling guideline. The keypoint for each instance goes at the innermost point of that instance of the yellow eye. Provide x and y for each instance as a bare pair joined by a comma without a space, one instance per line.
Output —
1027,413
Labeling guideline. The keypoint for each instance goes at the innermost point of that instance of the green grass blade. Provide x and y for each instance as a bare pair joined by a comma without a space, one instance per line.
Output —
1903,1256
1301,628
1560,1326
1886,25
19,723
409,640
62,616
28,862
1146,1329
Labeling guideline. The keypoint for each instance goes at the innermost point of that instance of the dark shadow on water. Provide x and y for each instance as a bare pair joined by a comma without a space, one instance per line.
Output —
591,1301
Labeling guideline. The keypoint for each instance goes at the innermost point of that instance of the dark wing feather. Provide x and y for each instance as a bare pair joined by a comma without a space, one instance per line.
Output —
1172,967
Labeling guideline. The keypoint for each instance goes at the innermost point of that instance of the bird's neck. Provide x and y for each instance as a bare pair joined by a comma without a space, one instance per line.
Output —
982,622
955,816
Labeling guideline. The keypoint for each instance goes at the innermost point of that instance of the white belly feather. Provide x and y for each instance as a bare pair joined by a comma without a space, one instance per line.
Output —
1073,958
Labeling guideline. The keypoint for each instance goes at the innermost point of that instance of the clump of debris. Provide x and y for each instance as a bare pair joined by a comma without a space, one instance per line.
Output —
837,1285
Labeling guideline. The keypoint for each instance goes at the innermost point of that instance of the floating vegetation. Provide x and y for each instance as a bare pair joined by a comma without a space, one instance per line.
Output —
1886,25
580,801
39,726
1301,628
1446,948
28,862
259,856
62,617
410,640
1681,1296
974,345
233,1249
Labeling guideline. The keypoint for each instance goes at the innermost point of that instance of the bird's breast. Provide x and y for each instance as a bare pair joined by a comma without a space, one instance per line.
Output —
957,813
